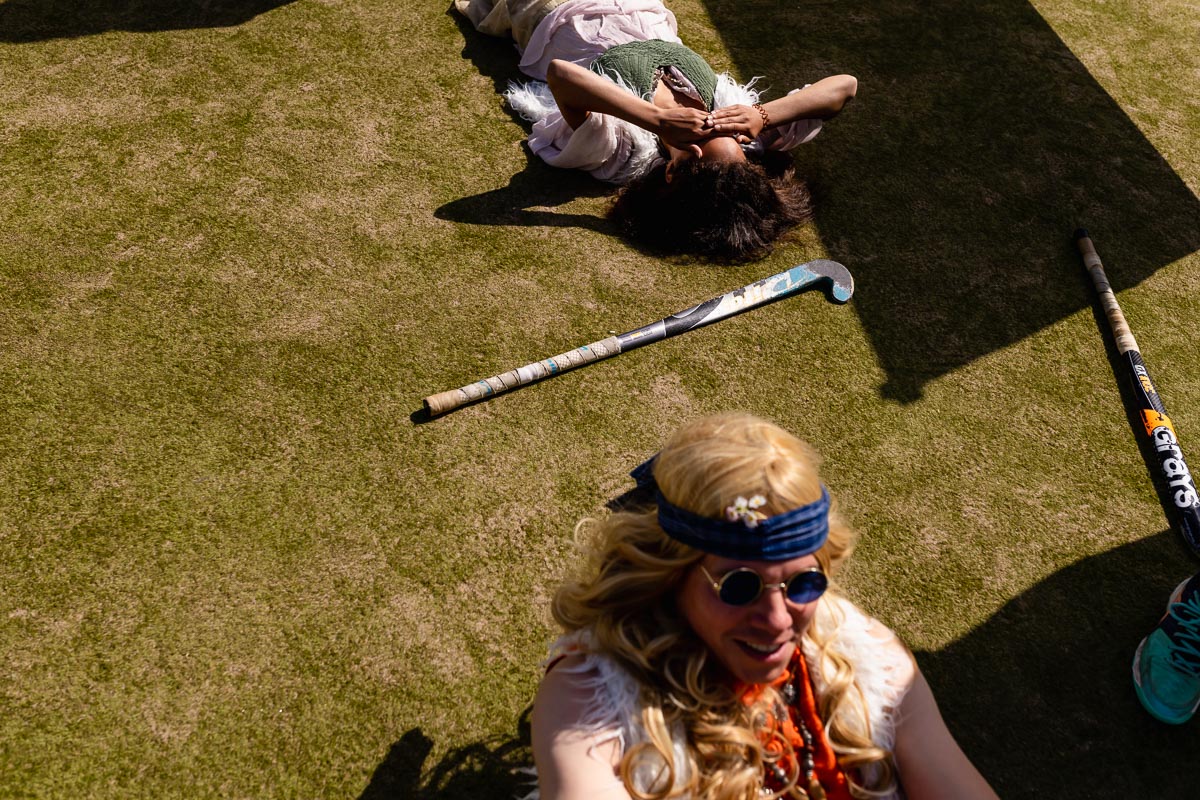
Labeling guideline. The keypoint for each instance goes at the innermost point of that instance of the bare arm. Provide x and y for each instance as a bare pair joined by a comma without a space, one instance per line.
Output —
579,92
571,765
929,761
822,100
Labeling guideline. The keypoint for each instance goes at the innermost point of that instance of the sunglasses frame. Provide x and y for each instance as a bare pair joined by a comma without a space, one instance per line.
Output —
717,585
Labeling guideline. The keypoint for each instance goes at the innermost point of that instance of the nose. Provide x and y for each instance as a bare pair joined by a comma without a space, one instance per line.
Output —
772,609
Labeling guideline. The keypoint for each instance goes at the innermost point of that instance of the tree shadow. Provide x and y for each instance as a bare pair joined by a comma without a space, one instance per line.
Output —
977,144
495,769
24,21
1040,696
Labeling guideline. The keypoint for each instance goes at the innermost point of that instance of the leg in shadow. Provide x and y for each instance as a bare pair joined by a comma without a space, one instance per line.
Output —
495,58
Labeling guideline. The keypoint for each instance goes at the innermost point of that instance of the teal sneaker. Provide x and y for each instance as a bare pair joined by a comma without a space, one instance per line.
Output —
1166,667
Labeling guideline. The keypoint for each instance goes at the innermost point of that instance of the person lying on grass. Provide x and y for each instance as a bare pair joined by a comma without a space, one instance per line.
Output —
703,163
707,655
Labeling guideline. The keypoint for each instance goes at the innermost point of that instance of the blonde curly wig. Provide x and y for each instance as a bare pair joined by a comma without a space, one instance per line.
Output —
626,597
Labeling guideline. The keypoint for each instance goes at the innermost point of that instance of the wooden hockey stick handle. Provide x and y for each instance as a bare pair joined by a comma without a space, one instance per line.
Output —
442,402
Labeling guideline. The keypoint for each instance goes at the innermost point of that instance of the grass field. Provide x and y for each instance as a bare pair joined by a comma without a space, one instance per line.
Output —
240,242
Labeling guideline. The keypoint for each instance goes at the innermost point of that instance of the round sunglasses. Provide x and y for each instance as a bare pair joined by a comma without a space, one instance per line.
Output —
742,586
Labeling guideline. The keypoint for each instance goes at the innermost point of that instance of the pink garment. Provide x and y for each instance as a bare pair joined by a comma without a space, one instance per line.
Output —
609,148
580,30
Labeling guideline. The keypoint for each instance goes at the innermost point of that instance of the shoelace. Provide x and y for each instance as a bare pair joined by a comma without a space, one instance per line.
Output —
1185,655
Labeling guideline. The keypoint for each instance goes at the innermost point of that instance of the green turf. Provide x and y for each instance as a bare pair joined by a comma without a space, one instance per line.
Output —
239,245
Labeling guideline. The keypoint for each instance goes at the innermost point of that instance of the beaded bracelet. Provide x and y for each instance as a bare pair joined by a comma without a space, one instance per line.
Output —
766,117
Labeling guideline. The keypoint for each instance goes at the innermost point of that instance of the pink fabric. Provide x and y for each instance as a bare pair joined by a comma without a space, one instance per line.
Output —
580,30
794,134
609,148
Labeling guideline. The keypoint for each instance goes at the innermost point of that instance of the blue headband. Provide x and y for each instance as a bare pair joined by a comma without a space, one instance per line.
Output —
791,534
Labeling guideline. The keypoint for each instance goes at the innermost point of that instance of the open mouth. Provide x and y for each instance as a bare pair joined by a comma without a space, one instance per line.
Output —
760,650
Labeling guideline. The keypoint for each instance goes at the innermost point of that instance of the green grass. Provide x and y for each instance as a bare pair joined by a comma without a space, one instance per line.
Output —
235,257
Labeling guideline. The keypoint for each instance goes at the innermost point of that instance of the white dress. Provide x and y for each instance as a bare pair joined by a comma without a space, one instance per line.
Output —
609,148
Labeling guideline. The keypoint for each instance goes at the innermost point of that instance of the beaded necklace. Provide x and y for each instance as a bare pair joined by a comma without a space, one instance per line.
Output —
802,763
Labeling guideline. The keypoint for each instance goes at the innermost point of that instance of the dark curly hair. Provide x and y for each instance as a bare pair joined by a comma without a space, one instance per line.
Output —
732,211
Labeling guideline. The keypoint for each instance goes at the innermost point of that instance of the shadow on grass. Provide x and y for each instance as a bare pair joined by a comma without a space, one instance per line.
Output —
527,198
1040,696
496,58
977,144
38,20
484,770
951,188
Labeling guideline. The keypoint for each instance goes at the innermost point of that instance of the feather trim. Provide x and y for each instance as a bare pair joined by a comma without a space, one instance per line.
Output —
615,707
637,148
643,153
731,93
877,664
614,693
532,100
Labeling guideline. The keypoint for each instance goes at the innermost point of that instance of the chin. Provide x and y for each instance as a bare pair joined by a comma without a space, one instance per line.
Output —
768,675
749,669
758,676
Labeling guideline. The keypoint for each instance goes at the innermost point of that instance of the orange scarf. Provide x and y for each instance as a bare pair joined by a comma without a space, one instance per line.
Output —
781,729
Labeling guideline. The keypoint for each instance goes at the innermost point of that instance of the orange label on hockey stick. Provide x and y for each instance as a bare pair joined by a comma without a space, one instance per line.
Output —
1152,419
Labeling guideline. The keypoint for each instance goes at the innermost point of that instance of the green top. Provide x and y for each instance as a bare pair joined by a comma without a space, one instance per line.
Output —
635,63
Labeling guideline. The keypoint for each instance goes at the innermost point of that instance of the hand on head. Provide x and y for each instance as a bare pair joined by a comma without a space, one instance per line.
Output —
738,121
706,134
681,126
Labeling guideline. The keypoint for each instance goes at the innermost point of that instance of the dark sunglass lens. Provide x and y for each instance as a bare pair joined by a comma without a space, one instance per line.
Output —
740,587
804,587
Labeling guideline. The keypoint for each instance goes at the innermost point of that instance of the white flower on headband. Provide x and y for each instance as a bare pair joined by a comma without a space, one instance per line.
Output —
743,509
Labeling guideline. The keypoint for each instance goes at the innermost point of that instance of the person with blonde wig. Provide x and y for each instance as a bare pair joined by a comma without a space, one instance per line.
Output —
707,655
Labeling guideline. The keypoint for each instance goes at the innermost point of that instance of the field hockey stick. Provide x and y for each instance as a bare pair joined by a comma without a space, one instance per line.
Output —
1158,426
840,286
